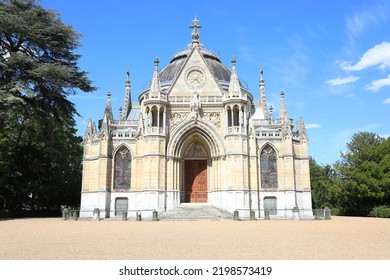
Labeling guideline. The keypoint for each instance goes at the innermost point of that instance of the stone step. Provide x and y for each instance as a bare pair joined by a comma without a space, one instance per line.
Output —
195,211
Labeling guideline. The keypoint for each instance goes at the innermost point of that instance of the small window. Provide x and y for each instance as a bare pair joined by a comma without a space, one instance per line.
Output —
270,205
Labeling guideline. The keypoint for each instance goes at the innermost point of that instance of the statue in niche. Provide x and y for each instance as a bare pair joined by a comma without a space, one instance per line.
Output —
195,106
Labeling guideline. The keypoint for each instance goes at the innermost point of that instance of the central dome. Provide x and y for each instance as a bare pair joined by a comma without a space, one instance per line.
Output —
220,72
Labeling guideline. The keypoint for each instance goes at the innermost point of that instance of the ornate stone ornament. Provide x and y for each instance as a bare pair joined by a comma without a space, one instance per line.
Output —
177,118
214,118
195,77
195,150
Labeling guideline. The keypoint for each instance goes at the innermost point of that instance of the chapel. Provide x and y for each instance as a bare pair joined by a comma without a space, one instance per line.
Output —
196,136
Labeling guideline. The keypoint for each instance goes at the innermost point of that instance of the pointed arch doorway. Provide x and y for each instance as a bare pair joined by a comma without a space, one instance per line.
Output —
195,173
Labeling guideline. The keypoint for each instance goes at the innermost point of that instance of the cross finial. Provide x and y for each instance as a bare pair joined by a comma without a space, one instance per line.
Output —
156,61
261,74
233,62
128,74
195,33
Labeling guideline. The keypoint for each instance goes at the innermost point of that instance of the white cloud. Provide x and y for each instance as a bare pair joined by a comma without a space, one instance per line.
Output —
387,101
378,84
343,81
312,125
378,55
362,20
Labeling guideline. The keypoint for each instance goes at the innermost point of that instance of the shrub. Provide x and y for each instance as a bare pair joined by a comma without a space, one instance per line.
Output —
335,211
380,211
384,213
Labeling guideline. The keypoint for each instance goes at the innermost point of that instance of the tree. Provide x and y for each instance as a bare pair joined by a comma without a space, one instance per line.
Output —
40,156
44,168
38,66
325,184
365,168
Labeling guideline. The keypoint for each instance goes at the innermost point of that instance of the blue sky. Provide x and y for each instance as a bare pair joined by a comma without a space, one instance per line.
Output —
331,58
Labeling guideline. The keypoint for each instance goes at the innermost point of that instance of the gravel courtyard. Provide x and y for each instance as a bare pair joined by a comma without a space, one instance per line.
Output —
51,238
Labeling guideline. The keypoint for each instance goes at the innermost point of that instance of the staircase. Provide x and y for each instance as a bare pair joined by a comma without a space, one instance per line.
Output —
194,211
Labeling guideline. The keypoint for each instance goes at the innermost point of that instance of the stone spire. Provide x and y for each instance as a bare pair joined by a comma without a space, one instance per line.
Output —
271,113
282,111
234,86
90,131
155,85
108,111
195,33
301,128
107,118
127,102
263,100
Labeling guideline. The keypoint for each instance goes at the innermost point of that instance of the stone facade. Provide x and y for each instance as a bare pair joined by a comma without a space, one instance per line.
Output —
197,135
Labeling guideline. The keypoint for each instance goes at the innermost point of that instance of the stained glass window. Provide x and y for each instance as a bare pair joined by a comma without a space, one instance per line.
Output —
268,168
122,169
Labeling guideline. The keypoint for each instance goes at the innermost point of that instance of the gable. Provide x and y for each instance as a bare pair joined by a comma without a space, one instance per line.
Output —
195,76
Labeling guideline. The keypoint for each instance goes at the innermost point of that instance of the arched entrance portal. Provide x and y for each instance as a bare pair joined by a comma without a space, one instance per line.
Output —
195,173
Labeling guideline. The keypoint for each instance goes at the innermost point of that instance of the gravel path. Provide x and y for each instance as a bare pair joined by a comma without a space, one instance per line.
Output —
52,238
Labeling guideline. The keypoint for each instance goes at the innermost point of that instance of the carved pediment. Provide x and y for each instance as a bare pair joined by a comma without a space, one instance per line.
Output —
195,150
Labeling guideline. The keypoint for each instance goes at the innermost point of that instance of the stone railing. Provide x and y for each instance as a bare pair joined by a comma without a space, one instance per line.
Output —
162,96
268,134
154,130
125,123
188,99
121,134
271,122
236,130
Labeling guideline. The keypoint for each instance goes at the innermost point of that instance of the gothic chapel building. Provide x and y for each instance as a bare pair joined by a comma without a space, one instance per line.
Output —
197,136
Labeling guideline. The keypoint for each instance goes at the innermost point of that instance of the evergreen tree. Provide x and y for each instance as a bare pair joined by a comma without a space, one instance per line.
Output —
40,156
38,65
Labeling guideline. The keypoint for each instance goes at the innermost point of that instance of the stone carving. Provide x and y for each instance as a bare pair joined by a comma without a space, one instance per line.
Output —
195,150
177,118
214,118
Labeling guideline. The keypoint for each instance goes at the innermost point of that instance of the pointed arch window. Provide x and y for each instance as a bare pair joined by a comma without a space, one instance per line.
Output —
229,116
236,115
268,168
122,174
154,116
161,117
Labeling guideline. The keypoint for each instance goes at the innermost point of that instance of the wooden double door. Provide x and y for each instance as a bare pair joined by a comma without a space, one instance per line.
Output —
195,178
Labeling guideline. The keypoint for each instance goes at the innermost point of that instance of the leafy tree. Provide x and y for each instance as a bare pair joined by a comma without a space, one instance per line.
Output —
325,185
40,156
365,168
